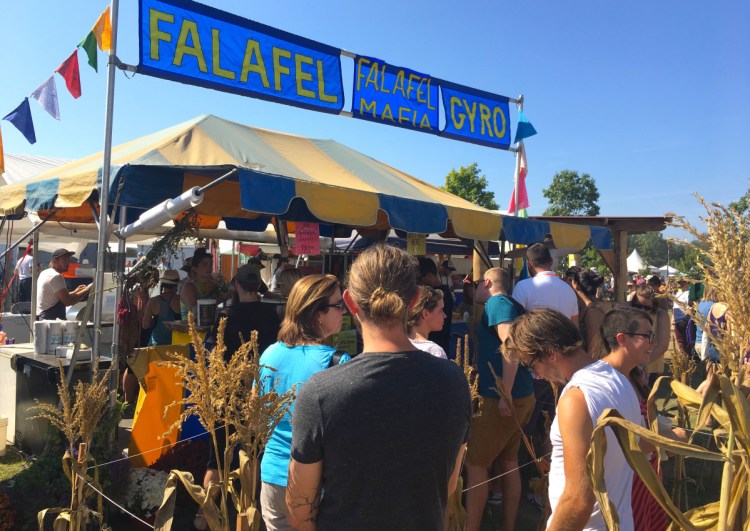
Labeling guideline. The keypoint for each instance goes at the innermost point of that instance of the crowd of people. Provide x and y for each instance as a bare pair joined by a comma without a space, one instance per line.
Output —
377,440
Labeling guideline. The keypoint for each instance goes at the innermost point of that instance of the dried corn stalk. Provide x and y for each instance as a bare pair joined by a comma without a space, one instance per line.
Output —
78,420
724,257
222,395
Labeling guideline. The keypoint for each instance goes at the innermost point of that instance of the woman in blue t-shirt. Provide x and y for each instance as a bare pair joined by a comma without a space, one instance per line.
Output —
314,311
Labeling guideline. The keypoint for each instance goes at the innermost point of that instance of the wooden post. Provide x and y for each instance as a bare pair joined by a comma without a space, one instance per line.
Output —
621,273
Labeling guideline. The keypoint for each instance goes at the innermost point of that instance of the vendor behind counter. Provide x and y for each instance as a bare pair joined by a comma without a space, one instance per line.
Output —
52,292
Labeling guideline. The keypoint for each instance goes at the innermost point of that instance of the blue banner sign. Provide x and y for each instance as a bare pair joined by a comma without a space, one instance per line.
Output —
475,116
395,96
195,44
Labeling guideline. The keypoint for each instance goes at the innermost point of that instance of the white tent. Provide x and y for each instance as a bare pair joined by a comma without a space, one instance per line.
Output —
635,262
668,271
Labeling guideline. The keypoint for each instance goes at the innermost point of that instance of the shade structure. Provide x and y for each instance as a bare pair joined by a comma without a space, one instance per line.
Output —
634,262
292,177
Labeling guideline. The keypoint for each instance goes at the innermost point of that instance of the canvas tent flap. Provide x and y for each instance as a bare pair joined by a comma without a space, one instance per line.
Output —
335,184
291,177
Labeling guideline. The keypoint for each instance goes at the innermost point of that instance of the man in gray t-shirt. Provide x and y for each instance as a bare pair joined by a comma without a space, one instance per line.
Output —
386,429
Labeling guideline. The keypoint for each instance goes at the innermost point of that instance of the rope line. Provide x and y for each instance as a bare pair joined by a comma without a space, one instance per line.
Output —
113,502
506,473
153,449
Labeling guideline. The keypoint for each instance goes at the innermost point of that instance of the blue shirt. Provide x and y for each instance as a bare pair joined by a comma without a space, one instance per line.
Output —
499,309
292,366
703,308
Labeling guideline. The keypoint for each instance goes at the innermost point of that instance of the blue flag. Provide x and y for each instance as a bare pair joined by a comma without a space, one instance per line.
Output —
21,118
524,128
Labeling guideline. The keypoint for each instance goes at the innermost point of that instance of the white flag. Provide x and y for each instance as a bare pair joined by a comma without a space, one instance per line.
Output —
46,95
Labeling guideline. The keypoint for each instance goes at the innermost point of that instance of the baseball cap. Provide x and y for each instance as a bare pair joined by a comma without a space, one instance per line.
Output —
248,276
255,261
170,276
57,253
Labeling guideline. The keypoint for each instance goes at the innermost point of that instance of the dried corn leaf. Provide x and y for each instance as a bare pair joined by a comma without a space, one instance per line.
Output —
627,434
738,495
738,408
165,513
706,517
705,404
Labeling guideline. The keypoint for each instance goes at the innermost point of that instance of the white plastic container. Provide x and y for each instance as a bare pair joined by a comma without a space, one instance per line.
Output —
40,337
70,332
54,336
3,434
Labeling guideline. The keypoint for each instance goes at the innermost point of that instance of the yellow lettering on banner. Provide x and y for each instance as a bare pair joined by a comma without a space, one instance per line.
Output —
399,84
300,75
189,28
429,95
322,96
387,114
252,49
409,86
360,61
501,133
484,113
372,76
471,112
401,117
216,68
420,92
155,33
458,124
278,68
382,80
364,107
424,123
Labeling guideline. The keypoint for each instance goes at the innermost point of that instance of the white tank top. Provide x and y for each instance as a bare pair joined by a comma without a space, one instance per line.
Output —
603,387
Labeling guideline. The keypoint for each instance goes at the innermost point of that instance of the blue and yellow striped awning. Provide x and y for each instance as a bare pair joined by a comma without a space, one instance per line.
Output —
280,175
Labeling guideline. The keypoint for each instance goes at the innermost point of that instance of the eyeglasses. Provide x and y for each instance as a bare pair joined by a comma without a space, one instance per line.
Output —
339,305
650,336
635,304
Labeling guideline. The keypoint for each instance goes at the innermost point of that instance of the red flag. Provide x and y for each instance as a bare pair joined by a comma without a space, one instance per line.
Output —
523,197
70,73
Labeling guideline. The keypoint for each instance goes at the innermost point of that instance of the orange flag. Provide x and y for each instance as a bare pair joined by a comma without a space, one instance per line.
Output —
2,156
103,31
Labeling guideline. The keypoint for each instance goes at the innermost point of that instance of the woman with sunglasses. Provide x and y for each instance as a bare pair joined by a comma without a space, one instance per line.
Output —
314,311
427,316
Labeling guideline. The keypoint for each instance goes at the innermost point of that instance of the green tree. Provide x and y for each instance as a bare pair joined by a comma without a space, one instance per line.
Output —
470,185
652,247
742,205
571,194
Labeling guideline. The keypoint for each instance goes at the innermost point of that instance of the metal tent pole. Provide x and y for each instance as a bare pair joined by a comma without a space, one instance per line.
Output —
104,190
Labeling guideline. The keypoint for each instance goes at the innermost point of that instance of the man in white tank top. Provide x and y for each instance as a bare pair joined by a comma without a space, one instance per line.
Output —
548,343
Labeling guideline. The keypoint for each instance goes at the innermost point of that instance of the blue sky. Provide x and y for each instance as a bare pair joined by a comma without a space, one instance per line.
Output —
649,98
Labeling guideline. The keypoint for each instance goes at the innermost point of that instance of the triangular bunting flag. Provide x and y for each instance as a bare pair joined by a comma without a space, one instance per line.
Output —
523,197
89,46
71,74
46,95
103,31
2,154
21,118
524,128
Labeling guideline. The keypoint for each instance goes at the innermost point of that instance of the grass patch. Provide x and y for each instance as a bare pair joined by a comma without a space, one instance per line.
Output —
11,464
